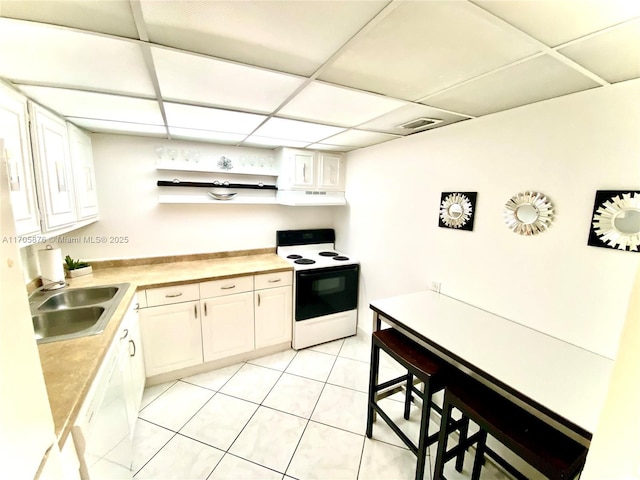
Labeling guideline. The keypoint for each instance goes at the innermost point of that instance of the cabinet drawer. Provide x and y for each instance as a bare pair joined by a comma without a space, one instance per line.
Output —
227,286
175,294
271,280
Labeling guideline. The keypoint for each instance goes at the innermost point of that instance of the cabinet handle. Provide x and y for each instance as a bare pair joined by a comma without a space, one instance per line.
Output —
275,280
195,310
205,309
174,295
131,342
258,299
228,287
126,332
137,307
304,172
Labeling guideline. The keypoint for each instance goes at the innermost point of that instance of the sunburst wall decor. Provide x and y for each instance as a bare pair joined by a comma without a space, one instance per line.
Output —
457,210
616,220
528,213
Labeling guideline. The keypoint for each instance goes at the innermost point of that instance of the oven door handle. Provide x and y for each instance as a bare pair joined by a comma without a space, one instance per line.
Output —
315,273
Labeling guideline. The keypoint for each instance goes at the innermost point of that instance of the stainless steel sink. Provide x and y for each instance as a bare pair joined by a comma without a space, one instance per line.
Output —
73,313
56,323
79,297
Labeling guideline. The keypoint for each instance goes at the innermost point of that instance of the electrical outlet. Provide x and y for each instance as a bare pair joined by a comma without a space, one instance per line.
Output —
435,286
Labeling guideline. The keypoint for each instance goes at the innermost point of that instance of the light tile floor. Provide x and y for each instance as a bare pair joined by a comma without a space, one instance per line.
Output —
291,415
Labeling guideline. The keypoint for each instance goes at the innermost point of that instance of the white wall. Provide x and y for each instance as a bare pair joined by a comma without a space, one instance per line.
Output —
566,148
126,182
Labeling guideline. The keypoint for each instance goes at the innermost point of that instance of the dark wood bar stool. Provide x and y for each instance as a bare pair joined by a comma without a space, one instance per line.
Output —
543,447
421,364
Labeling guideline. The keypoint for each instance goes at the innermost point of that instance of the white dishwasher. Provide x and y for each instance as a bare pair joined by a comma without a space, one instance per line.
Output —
101,433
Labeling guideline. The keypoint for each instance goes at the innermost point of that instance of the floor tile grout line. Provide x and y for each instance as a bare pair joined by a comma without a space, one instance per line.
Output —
157,452
161,394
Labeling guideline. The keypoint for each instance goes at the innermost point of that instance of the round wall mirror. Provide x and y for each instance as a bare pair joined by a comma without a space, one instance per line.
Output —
616,220
528,213
456,210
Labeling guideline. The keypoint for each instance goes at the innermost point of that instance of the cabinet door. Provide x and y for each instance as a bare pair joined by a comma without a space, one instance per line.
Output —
136,361
273,316
14,131
53,168
171,337
84,180
330,172
304,172
227,325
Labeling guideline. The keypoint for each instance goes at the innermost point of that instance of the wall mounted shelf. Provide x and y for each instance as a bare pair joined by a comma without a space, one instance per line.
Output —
215,184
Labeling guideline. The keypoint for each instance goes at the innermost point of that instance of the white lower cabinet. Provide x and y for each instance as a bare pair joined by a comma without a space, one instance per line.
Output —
232,316
171,337
132,363
227,325
273,316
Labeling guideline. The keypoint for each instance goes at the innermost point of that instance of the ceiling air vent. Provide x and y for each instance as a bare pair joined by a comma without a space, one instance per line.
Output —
419,124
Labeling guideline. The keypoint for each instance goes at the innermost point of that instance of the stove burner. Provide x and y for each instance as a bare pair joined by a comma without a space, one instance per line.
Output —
341,258
328,254
294,256
304,261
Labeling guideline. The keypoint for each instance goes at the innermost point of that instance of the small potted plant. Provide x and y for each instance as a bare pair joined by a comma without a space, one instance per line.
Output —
76,268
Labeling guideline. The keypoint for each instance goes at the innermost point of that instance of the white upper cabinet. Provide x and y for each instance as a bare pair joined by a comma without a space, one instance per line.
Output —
14,130
310,178
84,179
53,168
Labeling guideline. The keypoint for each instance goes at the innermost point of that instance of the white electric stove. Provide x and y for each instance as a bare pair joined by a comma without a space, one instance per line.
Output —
325,286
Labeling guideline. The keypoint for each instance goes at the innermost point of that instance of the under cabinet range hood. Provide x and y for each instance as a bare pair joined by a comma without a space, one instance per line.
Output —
310,198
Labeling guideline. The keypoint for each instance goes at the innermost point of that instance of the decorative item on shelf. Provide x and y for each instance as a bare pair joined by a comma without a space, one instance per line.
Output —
76,268
457,210
222,196
528,213
615,221
225,163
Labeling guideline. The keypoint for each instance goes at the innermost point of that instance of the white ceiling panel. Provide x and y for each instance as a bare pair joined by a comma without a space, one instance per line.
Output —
558,21
32,52
205,80
205,135
113,17
295,37
258,141
296,130
359,138
203,118
76,103
337,105
390,122
424,47
531,81
614,55
108,126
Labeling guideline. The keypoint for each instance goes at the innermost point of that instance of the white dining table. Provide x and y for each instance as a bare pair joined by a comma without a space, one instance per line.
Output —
561,383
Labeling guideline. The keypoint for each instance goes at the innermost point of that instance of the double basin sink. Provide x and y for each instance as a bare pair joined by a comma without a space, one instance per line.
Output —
73,313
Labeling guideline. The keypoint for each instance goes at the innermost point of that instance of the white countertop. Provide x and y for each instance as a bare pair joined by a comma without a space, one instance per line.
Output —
564,378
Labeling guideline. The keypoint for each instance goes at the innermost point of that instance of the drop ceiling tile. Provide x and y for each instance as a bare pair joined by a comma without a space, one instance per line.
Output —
206,135
358,138
424,47
113,17
322,102
127,128
76,103
294,37
203,118
296,130
390,122
613,55
203,80
555,22
258,141
330,148
48,55
531,81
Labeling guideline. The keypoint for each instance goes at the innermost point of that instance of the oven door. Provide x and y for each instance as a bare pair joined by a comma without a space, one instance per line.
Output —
325,291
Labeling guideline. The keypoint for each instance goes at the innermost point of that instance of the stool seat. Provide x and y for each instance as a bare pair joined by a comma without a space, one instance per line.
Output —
539,444
419,363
